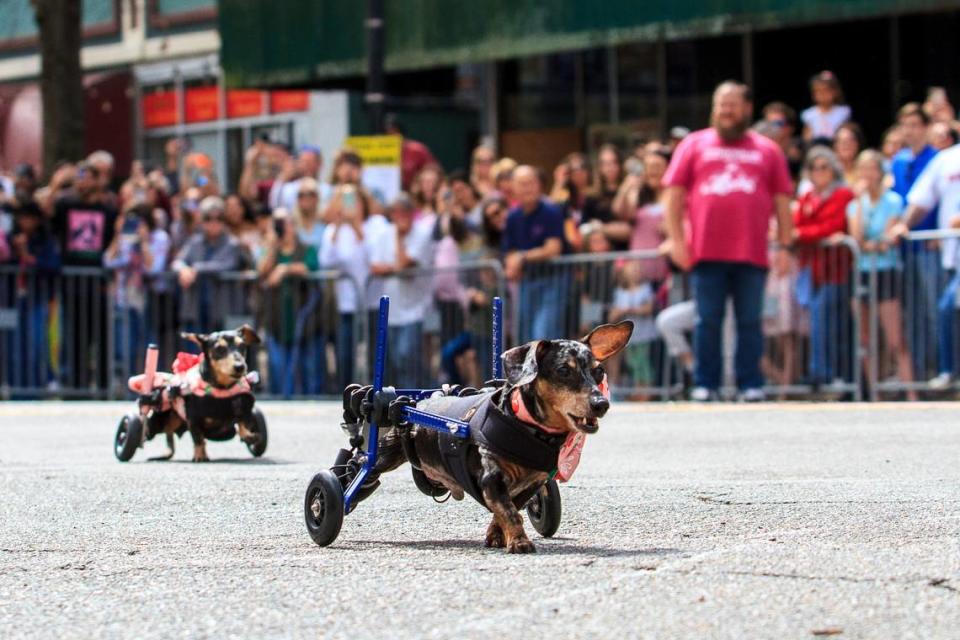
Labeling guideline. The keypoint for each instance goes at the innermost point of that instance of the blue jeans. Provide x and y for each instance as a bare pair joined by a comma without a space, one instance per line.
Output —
713,283
128,345
829,321
404,355
345,350
543,301
299,368
946,310
28,362
922,279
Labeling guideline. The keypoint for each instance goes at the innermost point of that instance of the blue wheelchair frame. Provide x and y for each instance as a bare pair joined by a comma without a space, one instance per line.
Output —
443,424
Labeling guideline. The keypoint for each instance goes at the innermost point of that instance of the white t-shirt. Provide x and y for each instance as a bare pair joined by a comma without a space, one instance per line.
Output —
644,328
410,296
377,234
348,255
940,184
824,124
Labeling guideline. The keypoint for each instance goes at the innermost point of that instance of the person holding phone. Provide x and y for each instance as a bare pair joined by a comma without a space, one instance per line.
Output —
294,336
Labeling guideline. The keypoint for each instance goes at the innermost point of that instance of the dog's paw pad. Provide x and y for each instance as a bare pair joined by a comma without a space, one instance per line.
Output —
494,540
521,545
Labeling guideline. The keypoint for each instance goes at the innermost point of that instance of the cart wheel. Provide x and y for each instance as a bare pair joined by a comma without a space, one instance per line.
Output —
544,509
323,508
129,437
258,448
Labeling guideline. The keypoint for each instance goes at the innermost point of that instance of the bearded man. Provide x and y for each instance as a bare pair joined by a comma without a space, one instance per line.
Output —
729,181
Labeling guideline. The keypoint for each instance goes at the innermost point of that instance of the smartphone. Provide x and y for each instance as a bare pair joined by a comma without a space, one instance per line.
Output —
349,198
279,226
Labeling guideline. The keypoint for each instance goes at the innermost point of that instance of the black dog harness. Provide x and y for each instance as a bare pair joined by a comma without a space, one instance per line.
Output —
503,434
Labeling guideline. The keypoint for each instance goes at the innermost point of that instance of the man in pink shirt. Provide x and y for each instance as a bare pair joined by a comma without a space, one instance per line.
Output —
729,180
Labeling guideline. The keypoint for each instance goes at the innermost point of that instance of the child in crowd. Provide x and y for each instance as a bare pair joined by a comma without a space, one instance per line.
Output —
634,299
821,121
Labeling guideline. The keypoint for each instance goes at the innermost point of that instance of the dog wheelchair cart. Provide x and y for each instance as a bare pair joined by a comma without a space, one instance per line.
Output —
334,492
159,392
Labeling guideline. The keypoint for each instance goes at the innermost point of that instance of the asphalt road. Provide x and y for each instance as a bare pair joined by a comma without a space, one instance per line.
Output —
778,521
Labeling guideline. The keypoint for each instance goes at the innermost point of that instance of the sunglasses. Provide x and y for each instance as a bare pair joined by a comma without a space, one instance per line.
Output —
304,194
820,167
212,217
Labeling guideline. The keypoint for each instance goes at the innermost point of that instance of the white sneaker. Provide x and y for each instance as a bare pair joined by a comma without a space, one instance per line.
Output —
753,395
702,394
941,382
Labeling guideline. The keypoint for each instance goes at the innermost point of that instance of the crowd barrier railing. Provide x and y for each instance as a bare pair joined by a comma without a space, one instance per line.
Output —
910,293
569,295
830,322
440,321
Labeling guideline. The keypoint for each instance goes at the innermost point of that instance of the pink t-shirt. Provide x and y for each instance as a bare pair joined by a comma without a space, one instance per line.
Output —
730,189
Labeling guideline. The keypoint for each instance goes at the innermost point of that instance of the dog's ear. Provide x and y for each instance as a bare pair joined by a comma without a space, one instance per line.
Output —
248,335
608,339
199,339
520,363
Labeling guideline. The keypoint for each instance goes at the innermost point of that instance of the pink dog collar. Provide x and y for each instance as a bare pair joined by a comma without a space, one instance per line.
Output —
569,457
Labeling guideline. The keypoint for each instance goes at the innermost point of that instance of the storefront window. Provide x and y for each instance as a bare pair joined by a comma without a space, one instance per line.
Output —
690,81
538,92
637,81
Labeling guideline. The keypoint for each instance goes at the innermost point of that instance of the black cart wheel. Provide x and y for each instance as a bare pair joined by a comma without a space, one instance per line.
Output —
259,427
129,437
323,508
544,509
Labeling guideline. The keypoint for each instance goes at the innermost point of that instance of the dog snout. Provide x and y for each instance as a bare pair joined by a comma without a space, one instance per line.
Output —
599,405
239,366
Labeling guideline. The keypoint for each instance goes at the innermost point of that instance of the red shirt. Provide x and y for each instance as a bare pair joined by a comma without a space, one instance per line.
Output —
730,189
413,157
816,218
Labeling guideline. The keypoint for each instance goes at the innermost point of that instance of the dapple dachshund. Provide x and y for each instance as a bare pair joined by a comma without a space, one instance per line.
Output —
554,390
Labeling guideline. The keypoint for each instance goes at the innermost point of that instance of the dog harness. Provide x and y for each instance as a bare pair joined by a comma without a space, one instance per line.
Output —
518,438
188,381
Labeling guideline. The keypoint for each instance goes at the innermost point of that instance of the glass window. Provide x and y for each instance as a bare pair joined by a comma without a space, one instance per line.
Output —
538,92
637,81
694,69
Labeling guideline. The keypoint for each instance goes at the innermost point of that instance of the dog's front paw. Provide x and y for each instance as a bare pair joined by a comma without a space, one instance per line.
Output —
200,454
521,545
494,537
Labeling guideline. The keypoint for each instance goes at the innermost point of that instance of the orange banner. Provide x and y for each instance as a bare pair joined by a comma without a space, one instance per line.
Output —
159,109
287,101
244,103
201,104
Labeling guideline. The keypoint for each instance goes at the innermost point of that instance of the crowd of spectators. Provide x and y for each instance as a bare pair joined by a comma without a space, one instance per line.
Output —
697,202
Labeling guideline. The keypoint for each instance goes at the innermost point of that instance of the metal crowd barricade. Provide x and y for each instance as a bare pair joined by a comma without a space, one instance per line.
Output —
911,297
440,318
27,356
312,330
812,323
569,295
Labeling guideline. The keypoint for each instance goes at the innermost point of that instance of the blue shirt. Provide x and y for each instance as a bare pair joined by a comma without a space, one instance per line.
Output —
532,230
876,218
906,169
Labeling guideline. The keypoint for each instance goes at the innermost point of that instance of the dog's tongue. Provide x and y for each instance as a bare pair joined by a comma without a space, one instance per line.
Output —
569,456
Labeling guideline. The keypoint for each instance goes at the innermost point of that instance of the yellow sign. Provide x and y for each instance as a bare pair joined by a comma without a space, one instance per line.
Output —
377,150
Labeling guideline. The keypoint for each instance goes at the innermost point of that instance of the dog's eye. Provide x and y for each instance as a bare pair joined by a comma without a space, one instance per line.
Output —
219,352
566,371
597,373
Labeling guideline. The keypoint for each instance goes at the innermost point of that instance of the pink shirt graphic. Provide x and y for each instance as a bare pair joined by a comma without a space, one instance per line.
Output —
730,188
85,231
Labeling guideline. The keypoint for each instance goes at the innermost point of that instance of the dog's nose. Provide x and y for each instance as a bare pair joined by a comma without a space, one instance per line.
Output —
599,405
239,367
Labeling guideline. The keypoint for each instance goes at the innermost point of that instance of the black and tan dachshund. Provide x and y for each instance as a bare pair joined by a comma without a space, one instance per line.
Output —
556,385
215,393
